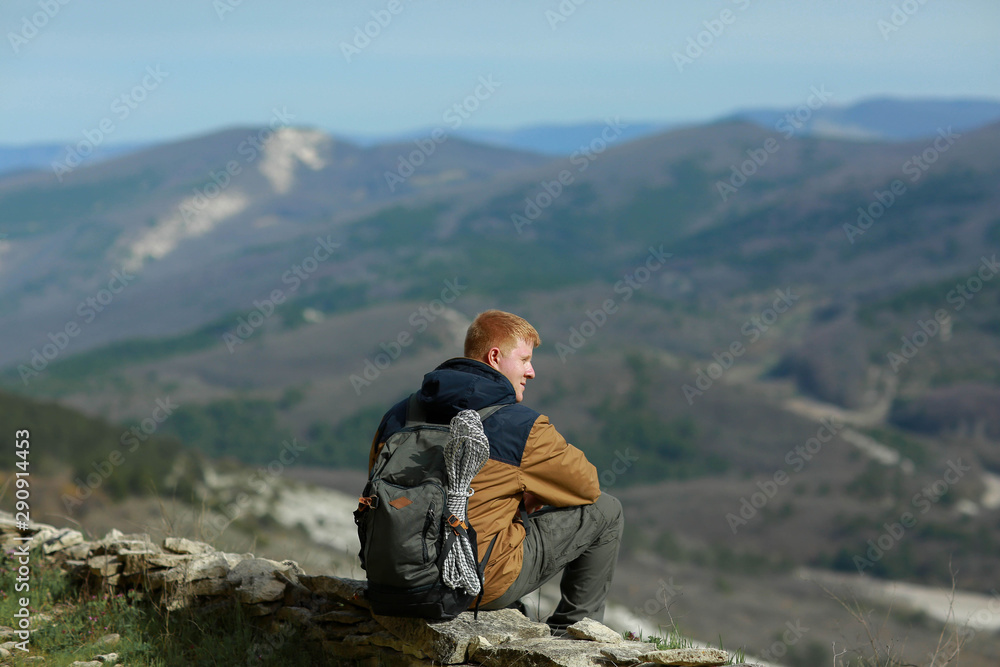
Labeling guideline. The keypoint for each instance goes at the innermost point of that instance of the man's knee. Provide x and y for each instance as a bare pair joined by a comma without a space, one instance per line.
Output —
611,508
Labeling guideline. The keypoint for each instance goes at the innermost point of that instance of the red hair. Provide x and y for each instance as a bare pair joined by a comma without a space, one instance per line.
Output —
495,328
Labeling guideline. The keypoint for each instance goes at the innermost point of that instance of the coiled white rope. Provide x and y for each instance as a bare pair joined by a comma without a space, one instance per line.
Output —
466,452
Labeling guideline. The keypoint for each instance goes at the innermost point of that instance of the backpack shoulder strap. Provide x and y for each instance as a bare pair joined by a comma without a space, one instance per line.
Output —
486,412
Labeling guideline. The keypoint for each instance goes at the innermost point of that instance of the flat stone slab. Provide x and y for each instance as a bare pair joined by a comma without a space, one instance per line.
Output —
104,566
207,566
542,652
208,587
594,631
449,641
62,539
627,653
79,551
156,579
181,545
168,560
687,657
254,580
350,590
137,562
116,541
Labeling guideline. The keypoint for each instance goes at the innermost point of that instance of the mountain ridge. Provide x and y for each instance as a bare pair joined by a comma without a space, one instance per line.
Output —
868,119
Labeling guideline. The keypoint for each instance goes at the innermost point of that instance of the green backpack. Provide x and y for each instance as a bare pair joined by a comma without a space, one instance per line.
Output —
405,527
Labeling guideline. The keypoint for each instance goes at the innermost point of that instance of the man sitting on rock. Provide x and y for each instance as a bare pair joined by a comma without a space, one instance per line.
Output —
532,473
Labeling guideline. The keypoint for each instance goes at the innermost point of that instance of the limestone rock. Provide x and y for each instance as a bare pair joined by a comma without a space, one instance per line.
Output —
361,649
295,615
350,590
78,551
165,560
136,562
346,616
62,539
87,663
627,653
544,652
687,657
236,559
104,566
338,631
387,639
41,533
293,567
218,586
590,629
208,566
156,579
476,644
113,535
448,641
116,541
328,611
181,545
255,582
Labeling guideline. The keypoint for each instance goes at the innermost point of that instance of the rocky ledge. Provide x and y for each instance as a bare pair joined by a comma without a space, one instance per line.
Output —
331,611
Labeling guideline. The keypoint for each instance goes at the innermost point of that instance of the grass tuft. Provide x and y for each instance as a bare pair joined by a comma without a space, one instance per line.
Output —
69,621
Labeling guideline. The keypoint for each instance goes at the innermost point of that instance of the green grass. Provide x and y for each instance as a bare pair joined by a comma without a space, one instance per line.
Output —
673,639
670,640
149,637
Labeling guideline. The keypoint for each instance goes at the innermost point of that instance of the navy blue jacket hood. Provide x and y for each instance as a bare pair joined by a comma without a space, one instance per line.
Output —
463,384
466,384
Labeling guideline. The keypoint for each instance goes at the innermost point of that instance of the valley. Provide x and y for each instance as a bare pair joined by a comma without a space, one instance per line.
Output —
781,401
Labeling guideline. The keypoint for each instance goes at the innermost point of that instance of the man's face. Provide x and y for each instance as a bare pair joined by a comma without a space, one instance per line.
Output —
516,367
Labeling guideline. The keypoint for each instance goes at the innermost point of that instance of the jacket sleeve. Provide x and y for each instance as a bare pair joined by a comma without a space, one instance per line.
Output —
555,471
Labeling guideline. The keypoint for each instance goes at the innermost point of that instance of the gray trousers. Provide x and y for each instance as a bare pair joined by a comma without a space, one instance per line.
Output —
581,542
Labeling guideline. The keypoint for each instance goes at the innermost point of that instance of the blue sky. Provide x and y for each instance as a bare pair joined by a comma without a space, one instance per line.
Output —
229,62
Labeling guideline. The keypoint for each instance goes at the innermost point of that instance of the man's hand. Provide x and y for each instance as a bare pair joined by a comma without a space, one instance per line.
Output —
531,502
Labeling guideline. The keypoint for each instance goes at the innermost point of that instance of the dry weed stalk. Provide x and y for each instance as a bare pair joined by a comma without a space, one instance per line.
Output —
946,653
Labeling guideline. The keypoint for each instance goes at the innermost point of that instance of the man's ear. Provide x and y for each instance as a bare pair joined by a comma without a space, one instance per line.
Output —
493,358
